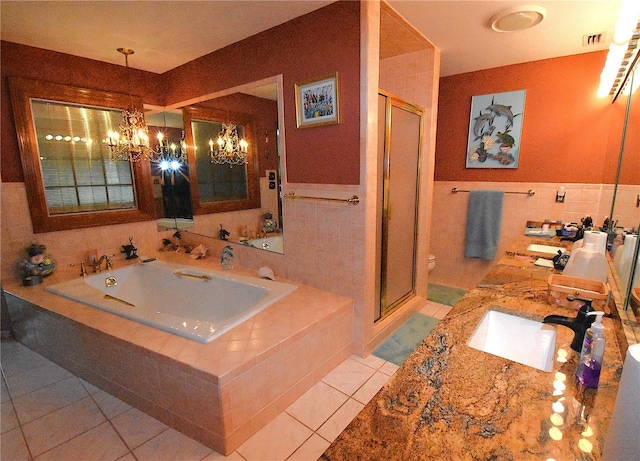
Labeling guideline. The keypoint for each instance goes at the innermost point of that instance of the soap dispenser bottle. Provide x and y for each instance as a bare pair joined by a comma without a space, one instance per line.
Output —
592,354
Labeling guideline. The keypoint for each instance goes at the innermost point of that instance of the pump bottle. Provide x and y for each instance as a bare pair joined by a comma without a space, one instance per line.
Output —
591,356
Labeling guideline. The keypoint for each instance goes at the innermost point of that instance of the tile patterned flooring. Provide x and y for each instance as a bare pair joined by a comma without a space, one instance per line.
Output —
50,414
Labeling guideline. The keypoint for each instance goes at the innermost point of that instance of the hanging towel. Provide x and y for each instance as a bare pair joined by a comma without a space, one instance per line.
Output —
484,218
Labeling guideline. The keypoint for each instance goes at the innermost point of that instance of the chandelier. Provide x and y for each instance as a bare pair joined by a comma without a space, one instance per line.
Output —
131,141
170,155
229,148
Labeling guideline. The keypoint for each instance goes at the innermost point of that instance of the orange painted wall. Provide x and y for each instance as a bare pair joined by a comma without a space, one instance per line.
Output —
569,135
311,46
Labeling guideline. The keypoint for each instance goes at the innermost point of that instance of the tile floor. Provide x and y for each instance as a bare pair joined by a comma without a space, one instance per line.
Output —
50,414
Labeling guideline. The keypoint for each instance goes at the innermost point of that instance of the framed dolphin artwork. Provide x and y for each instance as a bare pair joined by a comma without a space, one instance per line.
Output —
495,130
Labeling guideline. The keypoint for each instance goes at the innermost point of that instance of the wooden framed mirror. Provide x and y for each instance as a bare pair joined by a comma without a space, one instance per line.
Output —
219,187
70,180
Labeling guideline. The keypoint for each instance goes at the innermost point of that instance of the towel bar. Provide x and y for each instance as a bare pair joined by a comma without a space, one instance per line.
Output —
455,190
354,200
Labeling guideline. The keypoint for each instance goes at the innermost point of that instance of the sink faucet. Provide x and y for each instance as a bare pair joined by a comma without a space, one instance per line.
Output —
579,324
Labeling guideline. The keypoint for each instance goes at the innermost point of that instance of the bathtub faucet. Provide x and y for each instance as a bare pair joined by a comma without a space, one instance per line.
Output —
226,257
96,263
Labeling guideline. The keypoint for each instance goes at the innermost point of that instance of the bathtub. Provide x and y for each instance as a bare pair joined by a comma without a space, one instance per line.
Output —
190,302
273,243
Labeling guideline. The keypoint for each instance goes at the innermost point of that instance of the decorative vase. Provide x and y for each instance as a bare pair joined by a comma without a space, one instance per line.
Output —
268,223
37,266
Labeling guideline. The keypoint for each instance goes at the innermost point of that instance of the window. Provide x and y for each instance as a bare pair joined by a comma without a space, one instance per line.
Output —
70,181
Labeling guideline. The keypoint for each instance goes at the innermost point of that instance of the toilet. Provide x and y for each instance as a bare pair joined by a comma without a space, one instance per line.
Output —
432,262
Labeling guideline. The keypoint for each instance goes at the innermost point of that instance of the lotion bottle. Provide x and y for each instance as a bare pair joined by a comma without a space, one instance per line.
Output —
591,356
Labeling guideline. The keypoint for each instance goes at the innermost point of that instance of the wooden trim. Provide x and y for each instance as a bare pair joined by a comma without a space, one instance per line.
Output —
22,91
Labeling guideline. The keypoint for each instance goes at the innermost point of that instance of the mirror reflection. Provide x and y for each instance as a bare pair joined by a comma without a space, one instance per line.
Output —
170,176
239,201
77,173
219,181
223,156
625,217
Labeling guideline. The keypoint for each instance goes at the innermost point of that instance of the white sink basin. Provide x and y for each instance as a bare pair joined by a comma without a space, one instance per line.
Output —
545,248
515,338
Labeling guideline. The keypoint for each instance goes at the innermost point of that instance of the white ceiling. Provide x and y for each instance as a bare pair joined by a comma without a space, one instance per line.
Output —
166,34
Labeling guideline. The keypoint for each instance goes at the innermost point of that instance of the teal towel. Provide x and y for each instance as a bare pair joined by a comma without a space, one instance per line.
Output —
484,218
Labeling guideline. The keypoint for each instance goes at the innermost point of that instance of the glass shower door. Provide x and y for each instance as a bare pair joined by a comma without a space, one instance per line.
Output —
401,167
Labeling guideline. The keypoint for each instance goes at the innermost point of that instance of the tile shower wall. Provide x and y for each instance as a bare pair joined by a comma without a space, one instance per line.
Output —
448,222
409,76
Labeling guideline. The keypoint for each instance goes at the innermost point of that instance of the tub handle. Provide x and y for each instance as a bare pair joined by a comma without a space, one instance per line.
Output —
195,276
119,300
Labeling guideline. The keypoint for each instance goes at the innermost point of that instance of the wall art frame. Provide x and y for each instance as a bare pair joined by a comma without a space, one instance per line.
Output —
317,102
495,130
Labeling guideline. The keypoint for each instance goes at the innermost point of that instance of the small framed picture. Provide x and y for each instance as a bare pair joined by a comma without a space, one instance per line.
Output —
317,102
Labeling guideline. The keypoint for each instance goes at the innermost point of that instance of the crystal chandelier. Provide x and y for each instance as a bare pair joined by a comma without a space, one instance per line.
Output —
171,156
229,148
131,141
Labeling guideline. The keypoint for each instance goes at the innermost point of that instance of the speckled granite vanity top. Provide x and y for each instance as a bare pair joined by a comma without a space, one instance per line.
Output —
451,402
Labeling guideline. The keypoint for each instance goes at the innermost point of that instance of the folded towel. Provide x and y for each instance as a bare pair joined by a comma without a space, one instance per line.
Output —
484,219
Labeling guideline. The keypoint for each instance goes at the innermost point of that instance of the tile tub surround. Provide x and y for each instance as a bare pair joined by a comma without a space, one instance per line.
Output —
218,393
449,401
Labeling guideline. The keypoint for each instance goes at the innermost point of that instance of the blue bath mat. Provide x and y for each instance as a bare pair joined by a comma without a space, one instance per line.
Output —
443,294
403,342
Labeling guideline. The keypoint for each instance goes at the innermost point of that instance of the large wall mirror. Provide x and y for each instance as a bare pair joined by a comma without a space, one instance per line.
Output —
70,177
625,207
242,200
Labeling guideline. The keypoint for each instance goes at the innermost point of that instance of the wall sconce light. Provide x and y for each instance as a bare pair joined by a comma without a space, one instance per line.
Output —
623,51
560,195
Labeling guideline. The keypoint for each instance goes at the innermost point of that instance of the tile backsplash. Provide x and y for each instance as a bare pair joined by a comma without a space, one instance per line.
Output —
448,221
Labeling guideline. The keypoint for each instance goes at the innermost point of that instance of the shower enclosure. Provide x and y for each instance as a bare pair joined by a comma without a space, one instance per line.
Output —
399,138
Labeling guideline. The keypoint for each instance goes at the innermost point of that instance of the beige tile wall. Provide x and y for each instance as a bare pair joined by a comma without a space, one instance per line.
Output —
450,215
66,247
324,241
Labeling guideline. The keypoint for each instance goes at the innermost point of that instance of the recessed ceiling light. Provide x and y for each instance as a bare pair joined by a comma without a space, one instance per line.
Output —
517,18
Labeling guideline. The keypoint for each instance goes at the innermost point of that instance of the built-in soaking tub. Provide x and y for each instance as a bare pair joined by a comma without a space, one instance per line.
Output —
190,302
219,393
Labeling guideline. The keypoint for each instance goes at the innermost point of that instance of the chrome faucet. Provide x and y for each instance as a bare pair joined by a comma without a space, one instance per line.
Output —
579,324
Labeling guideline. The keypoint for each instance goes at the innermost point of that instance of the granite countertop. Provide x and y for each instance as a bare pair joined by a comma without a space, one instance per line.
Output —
449,401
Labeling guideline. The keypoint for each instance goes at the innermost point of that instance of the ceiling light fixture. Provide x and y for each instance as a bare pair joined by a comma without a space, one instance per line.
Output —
517,18
229,148
131,141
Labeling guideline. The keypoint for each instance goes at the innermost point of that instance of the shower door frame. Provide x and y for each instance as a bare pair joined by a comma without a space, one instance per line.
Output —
383,244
